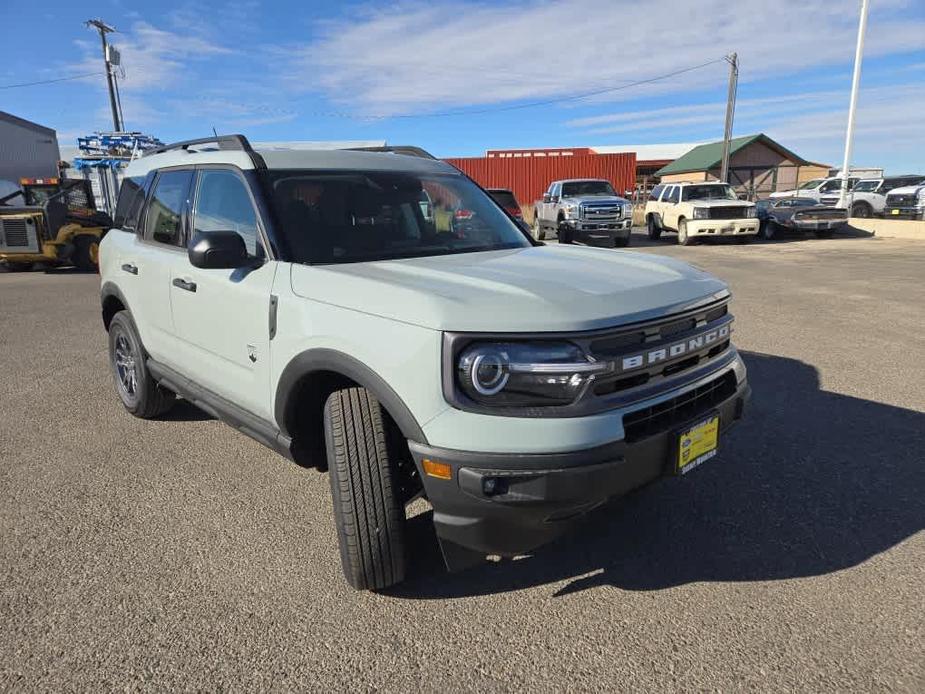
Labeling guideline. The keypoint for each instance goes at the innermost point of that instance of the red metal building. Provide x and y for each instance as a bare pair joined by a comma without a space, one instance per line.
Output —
529,176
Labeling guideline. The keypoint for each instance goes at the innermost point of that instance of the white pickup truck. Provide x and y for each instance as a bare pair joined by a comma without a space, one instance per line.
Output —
816,188
868,197
586,209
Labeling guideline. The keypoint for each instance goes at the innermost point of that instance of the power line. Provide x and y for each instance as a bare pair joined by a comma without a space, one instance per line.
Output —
60,79
556,100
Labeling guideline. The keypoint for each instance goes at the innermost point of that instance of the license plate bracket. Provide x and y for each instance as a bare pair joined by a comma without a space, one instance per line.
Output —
697,442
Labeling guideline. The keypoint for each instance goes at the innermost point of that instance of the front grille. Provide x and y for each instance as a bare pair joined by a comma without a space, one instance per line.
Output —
820,214
670,414
13,232
599,212
901,200
732,212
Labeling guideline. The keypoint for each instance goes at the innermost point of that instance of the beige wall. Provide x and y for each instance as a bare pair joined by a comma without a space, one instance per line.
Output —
694,176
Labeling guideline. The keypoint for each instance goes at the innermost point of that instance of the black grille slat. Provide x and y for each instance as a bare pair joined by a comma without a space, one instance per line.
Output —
678,327
672,413
717,313
728,212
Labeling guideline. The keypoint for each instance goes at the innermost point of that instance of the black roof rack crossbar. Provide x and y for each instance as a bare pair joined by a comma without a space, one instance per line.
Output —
224,142
407,150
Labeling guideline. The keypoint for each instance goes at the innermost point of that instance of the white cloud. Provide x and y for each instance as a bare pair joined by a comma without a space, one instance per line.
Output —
414,57
152,58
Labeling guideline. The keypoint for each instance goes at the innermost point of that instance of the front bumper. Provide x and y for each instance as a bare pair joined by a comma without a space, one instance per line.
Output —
509,503
800,225
619,228
722,227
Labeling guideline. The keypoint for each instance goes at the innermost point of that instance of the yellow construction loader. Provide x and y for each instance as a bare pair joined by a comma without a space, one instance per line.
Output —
57,223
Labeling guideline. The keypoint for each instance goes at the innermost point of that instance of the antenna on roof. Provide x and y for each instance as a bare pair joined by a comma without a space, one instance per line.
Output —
214,132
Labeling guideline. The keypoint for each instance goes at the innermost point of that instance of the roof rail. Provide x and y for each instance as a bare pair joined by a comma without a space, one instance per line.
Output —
407,150
224,142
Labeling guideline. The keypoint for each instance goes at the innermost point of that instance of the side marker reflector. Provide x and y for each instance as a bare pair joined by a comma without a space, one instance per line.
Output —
441,471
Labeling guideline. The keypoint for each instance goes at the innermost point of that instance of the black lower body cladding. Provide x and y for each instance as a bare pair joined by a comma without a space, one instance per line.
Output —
509,504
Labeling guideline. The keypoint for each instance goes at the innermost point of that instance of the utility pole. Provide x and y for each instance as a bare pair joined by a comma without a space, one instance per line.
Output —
855,83
104,29
733,61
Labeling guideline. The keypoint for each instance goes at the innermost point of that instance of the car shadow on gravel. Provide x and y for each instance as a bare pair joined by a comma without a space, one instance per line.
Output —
809,483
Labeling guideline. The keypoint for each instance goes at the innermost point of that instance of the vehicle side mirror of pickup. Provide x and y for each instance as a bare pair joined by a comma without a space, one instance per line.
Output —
547,197
217,250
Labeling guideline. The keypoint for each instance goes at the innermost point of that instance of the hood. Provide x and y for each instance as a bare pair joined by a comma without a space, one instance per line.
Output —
580,199
908,190
720,203
542,289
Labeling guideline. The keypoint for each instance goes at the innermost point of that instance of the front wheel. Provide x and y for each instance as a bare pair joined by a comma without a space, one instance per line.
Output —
369,515
861,209
767,229
653,229
619,242
683,238
538,232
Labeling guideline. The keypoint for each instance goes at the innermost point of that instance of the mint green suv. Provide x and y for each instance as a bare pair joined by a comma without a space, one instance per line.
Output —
305,298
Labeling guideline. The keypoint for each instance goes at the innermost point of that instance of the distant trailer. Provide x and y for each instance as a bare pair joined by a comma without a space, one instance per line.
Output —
27,150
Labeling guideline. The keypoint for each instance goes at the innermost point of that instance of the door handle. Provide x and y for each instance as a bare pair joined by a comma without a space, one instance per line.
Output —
183,284
130,268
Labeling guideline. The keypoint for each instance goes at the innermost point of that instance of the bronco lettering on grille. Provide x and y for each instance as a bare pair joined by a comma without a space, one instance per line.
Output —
676,349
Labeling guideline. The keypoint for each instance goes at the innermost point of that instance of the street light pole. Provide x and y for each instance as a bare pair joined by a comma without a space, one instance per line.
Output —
733,61
855,83
104,29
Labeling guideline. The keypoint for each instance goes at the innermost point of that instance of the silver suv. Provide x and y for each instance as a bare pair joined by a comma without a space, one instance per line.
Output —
305,298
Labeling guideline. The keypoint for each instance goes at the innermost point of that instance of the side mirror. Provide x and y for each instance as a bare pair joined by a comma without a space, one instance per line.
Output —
217,250
547,197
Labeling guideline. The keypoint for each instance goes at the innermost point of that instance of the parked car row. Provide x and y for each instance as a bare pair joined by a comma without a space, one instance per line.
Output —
890,196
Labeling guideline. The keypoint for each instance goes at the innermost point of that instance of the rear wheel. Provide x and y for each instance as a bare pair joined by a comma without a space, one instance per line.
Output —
86,252
365,487
17,267
140,393
683,238
653,229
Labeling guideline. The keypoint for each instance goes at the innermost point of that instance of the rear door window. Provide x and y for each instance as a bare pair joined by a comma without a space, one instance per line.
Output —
164,220
131,199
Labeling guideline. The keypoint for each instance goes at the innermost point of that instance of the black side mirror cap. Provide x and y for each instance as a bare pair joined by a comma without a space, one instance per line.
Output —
217,250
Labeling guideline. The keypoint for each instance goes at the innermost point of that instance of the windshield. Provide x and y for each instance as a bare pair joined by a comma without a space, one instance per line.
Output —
866,186
574,189
810,184
348,217
710,192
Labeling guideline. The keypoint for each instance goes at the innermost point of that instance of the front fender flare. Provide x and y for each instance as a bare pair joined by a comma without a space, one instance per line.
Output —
319,360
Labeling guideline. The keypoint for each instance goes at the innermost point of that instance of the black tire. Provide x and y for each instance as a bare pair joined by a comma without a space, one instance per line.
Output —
824,233
683,238
862,210
85,252
538,232
563,233
621,242
767,229
653,229
369,516
140,393
17,267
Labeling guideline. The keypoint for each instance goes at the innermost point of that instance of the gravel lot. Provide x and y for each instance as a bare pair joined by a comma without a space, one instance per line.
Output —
180,554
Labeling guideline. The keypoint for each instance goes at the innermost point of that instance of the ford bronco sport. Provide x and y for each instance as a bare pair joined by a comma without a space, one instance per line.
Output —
305,298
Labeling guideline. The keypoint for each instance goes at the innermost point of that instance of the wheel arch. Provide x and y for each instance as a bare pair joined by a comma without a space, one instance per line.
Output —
310,377
112,300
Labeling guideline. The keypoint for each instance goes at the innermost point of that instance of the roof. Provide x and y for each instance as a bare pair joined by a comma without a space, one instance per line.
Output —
709,156
670,150
16,120
293,159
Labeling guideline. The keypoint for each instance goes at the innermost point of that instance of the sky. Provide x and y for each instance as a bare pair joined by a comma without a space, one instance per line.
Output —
459,77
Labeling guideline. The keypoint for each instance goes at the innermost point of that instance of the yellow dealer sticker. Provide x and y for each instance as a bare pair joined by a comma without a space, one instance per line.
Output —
698,444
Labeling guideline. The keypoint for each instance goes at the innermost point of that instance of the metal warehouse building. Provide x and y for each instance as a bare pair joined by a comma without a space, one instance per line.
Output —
27,150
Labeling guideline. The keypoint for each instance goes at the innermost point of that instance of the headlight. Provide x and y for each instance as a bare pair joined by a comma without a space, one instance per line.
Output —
525,374
701,213
628,209
571,211
751,212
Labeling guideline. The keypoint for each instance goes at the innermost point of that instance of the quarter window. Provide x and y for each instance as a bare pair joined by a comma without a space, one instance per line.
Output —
163,222
223,203
131,198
